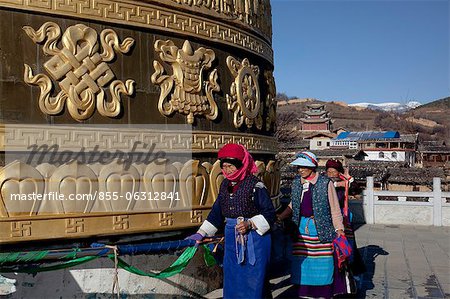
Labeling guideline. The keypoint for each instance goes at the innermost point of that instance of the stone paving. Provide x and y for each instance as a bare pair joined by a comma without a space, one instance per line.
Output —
405,261
401,261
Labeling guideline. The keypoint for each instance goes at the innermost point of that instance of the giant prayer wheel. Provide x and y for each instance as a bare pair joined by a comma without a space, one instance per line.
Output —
84,80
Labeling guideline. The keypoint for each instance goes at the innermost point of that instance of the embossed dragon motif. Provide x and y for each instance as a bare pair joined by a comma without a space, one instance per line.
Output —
80,70
191,95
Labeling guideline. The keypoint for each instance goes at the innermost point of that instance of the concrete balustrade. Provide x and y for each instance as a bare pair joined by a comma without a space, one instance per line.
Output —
373,210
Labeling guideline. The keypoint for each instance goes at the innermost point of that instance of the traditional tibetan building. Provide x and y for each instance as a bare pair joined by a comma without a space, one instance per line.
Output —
316,118
432,155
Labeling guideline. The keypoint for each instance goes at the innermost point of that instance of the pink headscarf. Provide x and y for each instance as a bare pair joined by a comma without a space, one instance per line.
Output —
237,151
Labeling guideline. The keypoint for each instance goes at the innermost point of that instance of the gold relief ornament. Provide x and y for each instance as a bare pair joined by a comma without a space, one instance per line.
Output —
191,96
121,222
244,99
20,229
196,216
80,70
271,104
251,12
74,226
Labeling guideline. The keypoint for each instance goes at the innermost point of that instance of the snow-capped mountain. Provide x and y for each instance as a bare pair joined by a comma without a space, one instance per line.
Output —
390,106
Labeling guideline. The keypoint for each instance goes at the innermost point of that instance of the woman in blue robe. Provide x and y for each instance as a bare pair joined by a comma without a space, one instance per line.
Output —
245,210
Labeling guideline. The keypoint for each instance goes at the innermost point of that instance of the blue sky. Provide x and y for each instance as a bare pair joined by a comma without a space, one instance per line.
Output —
362,51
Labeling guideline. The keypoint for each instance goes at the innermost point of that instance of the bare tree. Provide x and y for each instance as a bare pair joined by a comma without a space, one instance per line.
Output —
284,132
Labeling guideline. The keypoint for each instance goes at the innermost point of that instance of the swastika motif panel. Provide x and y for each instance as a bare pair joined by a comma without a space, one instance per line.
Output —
74,225
121,222
21,229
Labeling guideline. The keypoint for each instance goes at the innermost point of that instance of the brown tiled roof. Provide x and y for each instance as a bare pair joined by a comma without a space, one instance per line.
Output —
439,149
299,144
313,113
314,120
407,138
339,129
433,142
315,105
300,134
336,153
326,134
422,176
360,170
394,172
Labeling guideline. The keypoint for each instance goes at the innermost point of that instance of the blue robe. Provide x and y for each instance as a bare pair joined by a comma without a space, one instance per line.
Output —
245,279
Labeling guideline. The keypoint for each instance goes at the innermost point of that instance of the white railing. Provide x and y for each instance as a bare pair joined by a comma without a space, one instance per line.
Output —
434,210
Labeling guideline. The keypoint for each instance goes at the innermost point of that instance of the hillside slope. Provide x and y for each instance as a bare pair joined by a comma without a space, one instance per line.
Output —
351,118
437,111
431,120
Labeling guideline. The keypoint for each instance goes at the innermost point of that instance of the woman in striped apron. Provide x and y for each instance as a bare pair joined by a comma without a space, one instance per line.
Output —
245,209
315,210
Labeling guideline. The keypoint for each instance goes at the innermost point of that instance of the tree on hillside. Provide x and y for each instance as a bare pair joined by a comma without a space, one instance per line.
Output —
386,121
284,132
281,96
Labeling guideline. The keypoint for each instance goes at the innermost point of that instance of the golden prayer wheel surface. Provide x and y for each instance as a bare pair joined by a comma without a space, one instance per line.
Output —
124,100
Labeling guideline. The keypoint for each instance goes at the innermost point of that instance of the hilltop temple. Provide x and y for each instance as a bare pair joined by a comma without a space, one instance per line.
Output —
316,118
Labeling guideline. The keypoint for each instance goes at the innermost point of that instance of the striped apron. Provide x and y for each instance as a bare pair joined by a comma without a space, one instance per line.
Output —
312,260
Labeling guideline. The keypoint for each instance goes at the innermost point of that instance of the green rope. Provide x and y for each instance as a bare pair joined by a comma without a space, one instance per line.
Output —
32,256
71,255
208,257
178,266
34,270
175,268
9,257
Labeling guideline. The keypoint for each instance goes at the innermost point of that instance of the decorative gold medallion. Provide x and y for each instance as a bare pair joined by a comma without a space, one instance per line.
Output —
188,96
271,104
244,98
80,70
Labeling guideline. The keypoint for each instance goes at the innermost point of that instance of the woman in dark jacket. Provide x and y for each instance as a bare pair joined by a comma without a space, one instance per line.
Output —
342,180
245,209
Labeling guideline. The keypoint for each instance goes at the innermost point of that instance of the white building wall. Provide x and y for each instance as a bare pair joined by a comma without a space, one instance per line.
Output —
344,144
319,143
375,156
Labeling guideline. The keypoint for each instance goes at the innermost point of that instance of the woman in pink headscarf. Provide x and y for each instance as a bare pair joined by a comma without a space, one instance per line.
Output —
245,209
